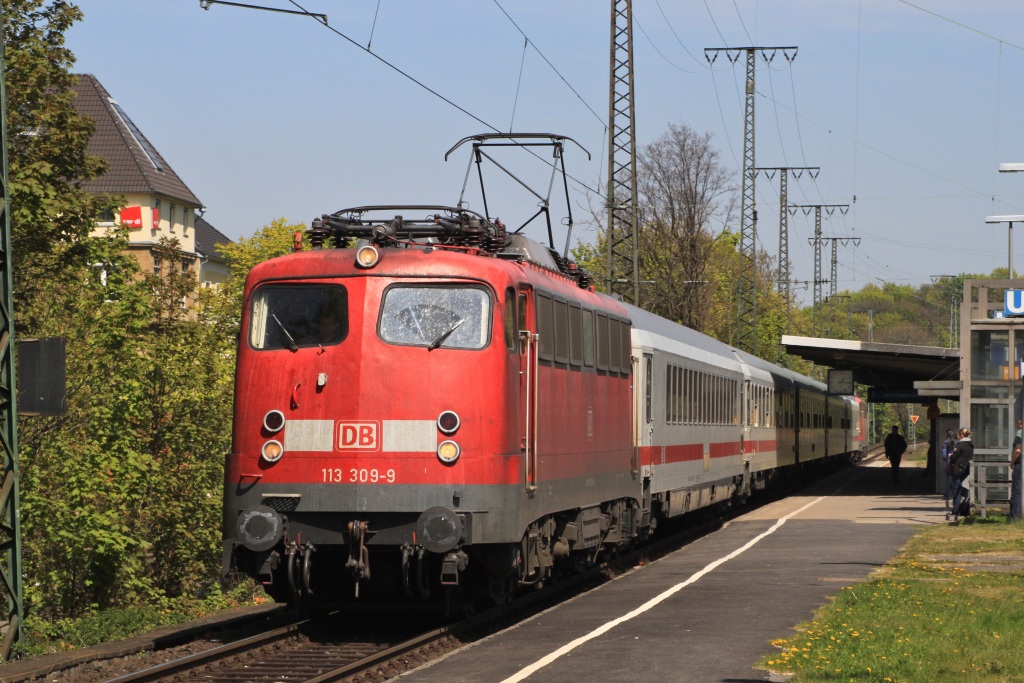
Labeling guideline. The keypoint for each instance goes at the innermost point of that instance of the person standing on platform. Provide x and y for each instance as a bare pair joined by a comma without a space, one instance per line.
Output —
1015,474
895,446
947,452
961,461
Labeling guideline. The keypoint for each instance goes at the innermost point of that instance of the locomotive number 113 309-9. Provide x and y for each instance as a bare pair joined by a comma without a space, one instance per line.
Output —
341,475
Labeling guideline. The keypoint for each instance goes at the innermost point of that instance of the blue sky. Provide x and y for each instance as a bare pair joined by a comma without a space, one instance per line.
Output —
907,106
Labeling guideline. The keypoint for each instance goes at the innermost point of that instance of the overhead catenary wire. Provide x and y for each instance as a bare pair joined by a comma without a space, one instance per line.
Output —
519,83
424,86
373,27
548,62
960,24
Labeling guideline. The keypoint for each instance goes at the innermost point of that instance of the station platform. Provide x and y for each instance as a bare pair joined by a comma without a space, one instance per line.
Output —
708,612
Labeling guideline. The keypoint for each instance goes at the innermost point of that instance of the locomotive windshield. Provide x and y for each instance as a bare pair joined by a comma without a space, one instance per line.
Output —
290,317
436,317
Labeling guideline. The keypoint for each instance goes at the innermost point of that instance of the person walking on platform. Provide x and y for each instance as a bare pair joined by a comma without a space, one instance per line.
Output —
895,446
1015,475
961,461
947,452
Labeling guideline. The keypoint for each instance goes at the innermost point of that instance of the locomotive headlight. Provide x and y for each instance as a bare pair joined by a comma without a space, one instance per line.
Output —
448,452
273,421
367,256
448,422
272,451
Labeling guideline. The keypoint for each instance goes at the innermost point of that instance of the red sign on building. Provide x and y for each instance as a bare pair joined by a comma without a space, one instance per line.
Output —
156,219
132,217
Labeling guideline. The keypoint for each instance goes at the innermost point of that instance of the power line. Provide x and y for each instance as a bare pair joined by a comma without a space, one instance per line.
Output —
658,50
395,68
422,85
963,26
548,61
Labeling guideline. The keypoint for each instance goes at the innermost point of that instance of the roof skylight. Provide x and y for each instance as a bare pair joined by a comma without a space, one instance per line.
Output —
137,134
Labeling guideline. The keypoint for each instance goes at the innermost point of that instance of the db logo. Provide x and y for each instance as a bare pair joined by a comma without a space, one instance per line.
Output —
357,435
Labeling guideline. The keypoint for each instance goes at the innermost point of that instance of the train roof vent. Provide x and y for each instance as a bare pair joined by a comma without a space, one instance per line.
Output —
532,251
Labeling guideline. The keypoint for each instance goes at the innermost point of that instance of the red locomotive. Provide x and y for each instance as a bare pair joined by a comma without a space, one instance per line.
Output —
445,404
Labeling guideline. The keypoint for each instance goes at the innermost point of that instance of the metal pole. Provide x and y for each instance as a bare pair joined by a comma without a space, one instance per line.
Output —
623,250
746,282
10,505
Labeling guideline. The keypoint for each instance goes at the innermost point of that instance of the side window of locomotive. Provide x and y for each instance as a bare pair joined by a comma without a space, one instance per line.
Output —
545,327
627,348
521,320
576,334
588,338
436,317
615,345
290,317
511,326
562,332
602,341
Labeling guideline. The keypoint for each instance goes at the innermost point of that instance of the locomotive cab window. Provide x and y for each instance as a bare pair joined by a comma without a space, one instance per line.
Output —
436,317
511,325
290,317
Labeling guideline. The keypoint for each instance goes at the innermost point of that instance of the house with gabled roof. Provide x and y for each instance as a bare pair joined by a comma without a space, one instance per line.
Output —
213,267
158,203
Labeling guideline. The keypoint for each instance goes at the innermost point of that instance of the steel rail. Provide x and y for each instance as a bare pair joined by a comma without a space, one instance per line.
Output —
213,654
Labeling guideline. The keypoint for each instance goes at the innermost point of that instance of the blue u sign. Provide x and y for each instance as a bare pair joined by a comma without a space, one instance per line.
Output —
1014,303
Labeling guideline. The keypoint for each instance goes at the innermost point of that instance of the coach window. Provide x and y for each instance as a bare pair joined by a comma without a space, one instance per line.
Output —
436,317
683,394
288,317
673,395
724,401
702,400
511,328
562,332
719,400
734,402
677,396
648,382
576,334
670,392
694,408
689,392
714,399
672,389
545,327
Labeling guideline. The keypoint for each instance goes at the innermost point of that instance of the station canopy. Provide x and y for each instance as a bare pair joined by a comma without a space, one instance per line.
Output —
886,367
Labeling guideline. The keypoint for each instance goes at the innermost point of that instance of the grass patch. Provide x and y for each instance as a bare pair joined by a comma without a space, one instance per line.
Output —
60,635
949,607
917,453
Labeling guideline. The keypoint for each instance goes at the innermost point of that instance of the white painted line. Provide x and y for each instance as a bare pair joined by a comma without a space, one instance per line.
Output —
528,671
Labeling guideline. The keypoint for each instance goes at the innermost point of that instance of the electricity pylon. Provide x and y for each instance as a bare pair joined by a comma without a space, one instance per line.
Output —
746,300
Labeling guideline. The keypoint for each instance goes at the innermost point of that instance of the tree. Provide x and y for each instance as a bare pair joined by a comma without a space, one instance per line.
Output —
51,215
275,239
686,198
689,260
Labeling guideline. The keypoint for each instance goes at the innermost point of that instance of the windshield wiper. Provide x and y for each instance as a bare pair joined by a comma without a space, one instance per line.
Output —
291,339
440,340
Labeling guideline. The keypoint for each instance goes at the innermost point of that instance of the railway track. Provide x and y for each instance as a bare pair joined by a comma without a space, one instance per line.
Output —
369,647
317,651
304,652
